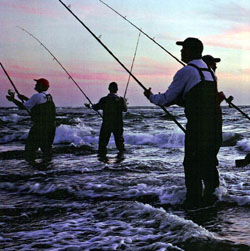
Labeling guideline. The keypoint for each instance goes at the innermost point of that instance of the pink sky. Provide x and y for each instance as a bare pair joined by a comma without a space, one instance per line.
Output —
225,34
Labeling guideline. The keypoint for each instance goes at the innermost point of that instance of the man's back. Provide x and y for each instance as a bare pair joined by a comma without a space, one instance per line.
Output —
112,106
45,112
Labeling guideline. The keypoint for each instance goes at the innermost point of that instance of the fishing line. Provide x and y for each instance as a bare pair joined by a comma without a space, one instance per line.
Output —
124,67
132,65
70,77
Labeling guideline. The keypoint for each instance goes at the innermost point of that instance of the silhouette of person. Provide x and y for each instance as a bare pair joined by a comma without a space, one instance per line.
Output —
113,107
211,61
43,114
195,87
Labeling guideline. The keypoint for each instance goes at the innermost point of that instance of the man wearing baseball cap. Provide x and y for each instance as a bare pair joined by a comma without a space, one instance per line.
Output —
43,113
211,61
195,88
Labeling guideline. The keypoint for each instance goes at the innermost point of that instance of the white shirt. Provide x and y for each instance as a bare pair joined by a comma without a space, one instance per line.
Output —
186,78
36,99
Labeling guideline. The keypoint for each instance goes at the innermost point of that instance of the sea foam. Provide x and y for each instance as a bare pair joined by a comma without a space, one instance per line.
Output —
244,144
72,134
11,118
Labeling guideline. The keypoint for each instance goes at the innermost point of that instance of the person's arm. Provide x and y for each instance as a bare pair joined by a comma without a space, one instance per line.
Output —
173,92
124,104
220,97
16,102
34,100
22,97
98,106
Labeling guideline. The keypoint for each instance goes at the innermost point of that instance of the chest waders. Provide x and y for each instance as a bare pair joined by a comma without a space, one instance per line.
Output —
42,133
112,123
203,137
44,113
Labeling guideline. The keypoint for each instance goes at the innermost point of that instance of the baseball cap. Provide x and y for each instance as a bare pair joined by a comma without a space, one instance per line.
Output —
192,43
43,82
210,59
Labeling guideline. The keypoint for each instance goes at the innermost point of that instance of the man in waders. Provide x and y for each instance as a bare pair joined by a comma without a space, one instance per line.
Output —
195,87
112,106
43,114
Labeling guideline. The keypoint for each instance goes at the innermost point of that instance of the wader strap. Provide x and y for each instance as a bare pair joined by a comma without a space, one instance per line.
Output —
48,97
204,69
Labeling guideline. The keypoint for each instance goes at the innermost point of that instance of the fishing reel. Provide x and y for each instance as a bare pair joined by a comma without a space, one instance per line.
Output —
229,100
11,93
87,105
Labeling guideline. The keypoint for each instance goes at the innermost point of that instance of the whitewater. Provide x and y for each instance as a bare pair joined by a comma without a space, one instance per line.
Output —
79,202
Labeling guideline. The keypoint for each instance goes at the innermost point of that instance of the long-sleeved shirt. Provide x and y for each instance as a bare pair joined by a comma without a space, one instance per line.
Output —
184,80
36,99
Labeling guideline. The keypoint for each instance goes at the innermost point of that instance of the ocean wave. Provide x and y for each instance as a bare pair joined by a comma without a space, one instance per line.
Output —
244,144
231,138
72,134
162,140
12,118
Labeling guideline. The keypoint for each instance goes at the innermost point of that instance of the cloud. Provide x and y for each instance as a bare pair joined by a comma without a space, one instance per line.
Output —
233,12
26,8
28,73
233,38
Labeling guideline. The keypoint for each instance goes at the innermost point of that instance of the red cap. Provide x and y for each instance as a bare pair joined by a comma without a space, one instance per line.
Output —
43,82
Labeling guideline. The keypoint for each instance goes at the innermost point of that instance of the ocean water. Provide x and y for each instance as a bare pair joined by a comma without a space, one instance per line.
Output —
78,202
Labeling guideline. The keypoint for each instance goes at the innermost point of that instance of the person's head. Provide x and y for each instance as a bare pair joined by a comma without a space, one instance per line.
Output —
113,87
211,61
191,49
42,84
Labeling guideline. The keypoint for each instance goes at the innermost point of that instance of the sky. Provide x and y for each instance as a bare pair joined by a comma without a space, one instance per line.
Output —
222,25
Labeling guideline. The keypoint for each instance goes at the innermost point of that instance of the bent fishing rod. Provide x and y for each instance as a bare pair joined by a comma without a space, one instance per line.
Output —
152,39
132,65
123,66
53,56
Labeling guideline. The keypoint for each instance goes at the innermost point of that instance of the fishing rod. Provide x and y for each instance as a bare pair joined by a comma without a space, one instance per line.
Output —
131,69
229,101
152,39
124,67
6,73
10,92
70,77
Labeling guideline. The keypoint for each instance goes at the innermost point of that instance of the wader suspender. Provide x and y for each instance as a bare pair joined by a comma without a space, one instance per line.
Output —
48,97
204,69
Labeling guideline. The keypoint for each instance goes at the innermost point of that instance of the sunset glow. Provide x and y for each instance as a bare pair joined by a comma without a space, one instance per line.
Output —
223,26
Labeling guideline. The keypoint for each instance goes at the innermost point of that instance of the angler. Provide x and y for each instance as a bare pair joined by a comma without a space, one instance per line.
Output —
43,115
70,77
195,88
